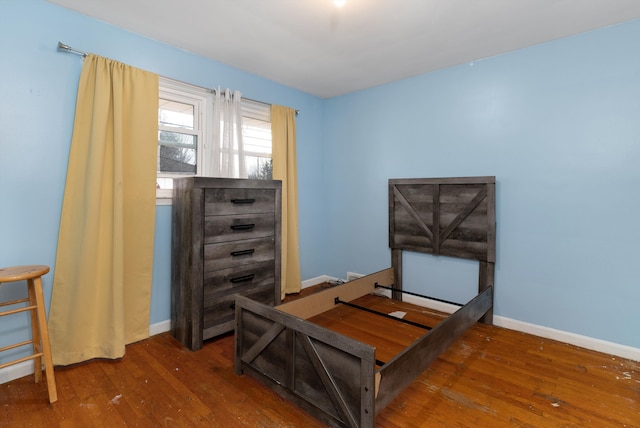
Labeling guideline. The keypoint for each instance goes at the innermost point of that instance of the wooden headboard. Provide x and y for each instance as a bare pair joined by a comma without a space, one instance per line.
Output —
453,217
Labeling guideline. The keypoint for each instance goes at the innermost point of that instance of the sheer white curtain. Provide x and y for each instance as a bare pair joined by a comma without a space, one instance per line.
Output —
228,151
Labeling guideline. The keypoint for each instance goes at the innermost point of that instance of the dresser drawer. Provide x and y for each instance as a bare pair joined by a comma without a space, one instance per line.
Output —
220,282
237,253
239,201
220,316
238,227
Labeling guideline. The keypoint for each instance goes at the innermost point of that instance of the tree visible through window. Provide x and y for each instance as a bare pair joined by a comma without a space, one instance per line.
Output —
264,172
177,136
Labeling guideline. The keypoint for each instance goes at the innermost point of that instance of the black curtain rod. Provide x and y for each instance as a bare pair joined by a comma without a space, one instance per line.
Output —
67,48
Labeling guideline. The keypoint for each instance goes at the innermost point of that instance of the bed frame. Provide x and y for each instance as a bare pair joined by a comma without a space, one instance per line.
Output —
334,377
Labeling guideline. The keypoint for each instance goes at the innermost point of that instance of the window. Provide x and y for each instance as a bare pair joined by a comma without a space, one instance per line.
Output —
185,140
256,132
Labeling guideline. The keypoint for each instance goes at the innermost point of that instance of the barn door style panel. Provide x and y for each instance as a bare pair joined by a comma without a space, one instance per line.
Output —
328,374
444,216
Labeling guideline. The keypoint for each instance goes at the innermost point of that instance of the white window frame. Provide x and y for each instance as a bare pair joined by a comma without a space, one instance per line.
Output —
202,100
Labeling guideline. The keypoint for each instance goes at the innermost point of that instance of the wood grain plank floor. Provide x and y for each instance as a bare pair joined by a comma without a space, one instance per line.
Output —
491,377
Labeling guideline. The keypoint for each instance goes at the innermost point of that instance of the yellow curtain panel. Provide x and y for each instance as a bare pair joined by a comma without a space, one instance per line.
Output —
104,262
283,136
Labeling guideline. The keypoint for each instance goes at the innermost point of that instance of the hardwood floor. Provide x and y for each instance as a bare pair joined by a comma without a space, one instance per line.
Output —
491,377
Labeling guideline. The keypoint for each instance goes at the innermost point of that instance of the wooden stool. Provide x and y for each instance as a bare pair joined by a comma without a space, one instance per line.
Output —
40,332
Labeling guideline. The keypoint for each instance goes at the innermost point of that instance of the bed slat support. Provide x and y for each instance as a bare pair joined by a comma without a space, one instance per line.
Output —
382,314
386,287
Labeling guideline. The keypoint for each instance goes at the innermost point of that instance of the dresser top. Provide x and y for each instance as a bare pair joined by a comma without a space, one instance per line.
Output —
203,182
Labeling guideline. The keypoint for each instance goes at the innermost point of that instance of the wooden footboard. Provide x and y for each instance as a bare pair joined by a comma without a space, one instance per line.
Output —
329,375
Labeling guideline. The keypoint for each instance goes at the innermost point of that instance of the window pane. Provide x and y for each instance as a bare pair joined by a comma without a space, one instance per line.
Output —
256,136
177,153
176,114
258,167
164,183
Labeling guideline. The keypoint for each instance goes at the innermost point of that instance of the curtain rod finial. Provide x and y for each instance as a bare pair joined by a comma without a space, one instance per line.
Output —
67,48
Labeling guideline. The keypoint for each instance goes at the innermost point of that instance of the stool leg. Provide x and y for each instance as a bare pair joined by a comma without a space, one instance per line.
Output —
35,332
46,347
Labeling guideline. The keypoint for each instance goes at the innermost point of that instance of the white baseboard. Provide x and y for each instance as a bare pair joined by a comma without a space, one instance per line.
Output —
16,371
326,278
25,368
599,345
352,275
587,342
318,280
160,327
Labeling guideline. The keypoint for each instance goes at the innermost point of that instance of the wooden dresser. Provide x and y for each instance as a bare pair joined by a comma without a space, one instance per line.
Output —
225,241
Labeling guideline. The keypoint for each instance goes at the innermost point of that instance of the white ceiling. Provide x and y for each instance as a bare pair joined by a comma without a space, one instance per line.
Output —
327,51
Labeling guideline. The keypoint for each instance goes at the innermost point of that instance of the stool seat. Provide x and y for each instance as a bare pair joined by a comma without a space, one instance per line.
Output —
34,304
19,273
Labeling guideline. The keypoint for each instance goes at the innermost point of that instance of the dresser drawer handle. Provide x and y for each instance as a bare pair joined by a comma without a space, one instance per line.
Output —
243,278
243,201
243,252
247,226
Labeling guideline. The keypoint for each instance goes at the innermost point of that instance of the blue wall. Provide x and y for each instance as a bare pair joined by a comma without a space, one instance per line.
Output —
558,124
